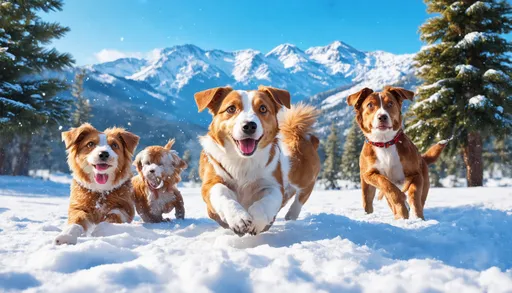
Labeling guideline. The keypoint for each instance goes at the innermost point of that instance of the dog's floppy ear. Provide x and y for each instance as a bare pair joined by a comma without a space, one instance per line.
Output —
207,98
357,99
137,163
75,135
129,140
182,164
400,93
282,97
169,144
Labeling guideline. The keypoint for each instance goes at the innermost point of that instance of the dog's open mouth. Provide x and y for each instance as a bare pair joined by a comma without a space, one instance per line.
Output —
101,178
101,167
383,127
247,146
155,184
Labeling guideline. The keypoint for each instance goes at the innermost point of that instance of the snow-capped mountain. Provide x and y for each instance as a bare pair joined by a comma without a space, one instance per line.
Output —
180,71
121,67
324,75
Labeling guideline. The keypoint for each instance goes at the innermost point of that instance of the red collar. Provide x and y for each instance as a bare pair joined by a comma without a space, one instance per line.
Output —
386,144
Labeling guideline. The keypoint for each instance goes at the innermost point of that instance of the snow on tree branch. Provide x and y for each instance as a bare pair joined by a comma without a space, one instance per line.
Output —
477,7
474,38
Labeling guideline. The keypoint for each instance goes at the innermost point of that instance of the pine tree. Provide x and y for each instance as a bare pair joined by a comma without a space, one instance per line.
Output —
82,113
193,176
467,83
331,169
189,172
498,156
187,156
351,152
28,102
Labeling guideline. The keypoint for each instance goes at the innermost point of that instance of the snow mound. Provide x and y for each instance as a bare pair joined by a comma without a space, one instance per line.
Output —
464,245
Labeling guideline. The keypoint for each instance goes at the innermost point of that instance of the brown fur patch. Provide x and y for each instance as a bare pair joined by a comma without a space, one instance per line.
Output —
89,207
297,135
366,103
168,196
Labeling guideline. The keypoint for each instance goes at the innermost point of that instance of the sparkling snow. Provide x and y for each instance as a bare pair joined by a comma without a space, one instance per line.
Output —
473,38
464,69
478,101
465,245
492,73
433,98
478,6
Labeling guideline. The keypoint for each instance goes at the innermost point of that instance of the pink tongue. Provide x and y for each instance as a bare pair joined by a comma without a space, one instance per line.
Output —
247,145
101,178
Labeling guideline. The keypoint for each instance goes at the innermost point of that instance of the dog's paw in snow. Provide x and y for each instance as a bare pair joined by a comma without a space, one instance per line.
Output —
238,220
69,235
240,224
260,219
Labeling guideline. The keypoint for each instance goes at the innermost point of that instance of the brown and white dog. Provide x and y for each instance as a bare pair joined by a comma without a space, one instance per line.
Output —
252,163
101,190
155,187
389,159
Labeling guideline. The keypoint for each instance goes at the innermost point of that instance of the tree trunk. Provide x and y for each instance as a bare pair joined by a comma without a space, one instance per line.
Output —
473,159
2,158
22,165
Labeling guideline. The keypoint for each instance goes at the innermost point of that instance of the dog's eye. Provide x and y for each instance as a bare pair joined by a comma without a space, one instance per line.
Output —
263,109
115,146
390,104
231,109
90,144
370,106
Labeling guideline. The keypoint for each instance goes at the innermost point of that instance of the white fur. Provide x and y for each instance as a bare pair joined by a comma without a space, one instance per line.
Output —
224,202
157,205
256,189
264,210
376,134
388,161
247,115
69,235
161,169
122,214
294,211
93,159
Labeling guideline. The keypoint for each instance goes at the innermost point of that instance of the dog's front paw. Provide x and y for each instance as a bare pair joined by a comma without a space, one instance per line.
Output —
238,220
65,239
69,236
260,219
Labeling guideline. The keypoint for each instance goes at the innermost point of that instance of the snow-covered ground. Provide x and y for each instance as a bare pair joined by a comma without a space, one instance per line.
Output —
465,245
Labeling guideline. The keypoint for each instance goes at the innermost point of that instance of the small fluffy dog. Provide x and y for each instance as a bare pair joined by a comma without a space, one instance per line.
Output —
155,187
101,190
251,163
389,159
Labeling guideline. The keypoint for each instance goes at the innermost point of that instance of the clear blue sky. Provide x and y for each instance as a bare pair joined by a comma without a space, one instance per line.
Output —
138,26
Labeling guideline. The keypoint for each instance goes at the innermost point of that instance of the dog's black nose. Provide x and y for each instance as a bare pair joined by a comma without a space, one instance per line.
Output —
250,128
104,156
382,117
152,171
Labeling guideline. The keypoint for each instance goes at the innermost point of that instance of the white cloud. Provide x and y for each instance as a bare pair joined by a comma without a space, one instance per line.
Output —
107,55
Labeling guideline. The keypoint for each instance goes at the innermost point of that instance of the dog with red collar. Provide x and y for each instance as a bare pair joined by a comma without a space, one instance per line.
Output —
389,160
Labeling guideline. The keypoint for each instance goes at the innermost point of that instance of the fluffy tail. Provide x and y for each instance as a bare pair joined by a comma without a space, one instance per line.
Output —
297,123
434,152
